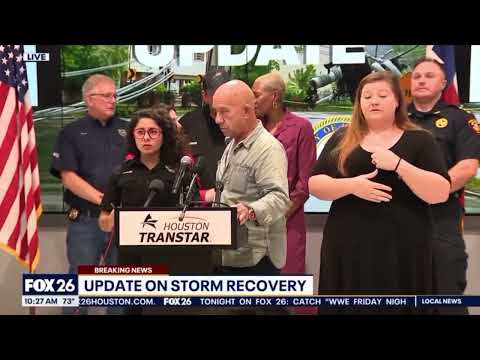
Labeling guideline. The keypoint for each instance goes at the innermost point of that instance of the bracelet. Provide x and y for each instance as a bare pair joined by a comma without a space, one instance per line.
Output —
398,163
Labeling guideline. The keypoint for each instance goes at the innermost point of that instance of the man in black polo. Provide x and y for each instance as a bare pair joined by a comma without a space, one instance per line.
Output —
458,134
85,154
205,136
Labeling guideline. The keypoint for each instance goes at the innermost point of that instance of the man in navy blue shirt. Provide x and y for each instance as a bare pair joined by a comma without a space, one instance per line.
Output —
458,134
85,154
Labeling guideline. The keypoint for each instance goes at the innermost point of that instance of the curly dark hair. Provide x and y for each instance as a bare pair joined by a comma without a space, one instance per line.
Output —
173,147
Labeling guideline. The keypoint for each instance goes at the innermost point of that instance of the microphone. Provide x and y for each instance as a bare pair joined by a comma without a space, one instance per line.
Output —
154,188
185,163
200,165
218,193
197,169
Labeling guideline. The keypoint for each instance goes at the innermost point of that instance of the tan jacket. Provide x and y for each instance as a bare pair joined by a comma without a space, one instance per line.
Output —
254,171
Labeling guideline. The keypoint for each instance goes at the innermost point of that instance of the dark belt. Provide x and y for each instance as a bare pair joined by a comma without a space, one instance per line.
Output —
90,212
73,213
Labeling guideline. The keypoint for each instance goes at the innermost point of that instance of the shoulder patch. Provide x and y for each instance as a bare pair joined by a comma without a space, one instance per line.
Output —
473,123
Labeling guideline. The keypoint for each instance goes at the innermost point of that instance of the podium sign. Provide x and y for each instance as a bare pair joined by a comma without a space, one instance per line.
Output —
161,227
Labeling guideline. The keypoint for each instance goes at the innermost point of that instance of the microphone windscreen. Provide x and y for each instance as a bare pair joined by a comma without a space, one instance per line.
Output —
156,185
186,160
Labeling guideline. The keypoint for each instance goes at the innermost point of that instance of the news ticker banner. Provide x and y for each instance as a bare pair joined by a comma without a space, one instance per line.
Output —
152,286
140,282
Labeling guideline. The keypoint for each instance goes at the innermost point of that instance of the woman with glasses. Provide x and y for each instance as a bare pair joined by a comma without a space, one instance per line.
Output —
155,149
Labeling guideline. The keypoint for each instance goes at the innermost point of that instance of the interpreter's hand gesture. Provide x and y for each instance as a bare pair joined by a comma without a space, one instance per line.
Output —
370,190
385,160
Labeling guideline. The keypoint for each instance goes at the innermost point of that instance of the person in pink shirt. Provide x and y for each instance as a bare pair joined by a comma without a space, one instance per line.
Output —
296,135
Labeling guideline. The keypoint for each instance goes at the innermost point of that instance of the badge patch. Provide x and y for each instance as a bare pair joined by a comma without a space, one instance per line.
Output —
441,123
73,214
122,132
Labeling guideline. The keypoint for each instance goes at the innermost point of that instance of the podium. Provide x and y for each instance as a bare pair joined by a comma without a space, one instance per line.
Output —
187,247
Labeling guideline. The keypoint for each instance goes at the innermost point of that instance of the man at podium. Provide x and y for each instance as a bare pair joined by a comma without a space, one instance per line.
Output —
253,171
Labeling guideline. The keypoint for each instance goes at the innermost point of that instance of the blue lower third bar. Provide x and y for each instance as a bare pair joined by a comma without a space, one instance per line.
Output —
440,300
315,301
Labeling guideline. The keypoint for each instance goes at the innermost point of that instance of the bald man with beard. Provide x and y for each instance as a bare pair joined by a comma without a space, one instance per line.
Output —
253,169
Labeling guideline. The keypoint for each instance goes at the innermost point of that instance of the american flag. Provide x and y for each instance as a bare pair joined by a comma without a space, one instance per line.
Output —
446,55
19,177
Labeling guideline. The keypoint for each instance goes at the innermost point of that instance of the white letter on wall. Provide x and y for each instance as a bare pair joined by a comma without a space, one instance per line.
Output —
155,61
187,51
285,52
226,58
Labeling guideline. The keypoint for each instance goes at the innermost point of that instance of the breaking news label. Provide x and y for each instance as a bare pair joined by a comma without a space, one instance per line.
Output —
153,286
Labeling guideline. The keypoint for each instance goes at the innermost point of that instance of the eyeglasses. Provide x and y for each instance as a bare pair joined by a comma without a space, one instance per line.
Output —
106,96
153,133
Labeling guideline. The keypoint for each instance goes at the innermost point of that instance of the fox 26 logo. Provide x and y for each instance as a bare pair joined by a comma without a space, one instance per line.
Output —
50,284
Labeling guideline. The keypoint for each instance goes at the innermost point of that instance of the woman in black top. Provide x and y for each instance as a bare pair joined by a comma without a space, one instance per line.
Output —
155,151
381,172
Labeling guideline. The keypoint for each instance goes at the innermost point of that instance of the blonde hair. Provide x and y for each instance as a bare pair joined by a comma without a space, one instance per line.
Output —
358,127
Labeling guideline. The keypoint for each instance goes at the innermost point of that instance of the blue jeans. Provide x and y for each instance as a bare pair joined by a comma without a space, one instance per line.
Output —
86,243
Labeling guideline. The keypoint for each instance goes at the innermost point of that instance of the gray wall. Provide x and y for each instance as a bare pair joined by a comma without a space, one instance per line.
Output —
53,260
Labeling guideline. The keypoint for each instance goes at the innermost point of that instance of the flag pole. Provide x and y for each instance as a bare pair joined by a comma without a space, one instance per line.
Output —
32,309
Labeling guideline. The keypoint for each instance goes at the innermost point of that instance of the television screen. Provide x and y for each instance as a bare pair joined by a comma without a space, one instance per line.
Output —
147,75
